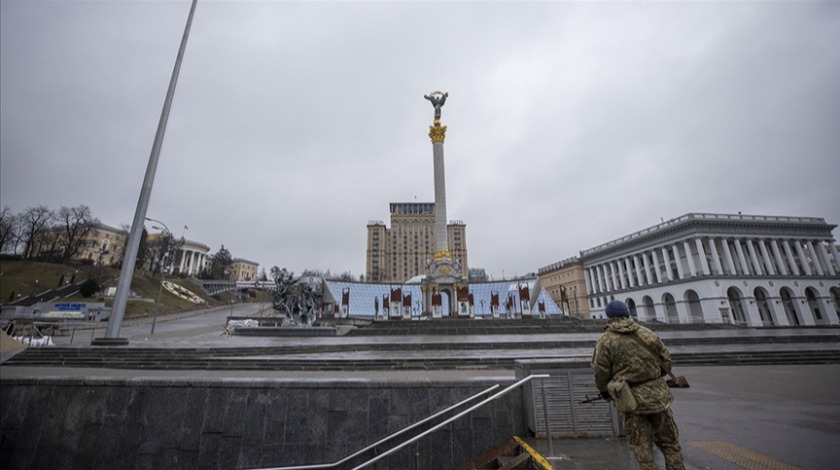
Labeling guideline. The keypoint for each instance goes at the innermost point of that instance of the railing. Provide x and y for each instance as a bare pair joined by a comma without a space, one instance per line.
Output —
387,438
424,433
450,420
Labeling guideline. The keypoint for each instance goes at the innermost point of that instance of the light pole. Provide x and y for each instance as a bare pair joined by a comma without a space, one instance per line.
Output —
232,295
112,332
163,264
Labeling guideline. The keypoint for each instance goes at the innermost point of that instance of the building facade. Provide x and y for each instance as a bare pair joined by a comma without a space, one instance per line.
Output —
103,244
721,268
98,244
565,283
403,251
243,270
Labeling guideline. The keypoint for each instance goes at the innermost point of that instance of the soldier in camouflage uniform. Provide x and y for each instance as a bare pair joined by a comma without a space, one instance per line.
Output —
619,356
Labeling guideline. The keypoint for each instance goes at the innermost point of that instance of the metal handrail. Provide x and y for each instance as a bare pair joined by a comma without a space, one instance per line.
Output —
391,436
454,418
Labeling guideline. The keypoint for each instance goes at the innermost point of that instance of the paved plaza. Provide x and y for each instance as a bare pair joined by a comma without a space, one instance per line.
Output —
732,417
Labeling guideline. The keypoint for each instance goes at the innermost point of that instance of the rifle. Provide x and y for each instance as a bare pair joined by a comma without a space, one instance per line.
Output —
600,396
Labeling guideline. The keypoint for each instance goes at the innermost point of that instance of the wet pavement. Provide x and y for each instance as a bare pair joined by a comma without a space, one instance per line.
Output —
732,417
737,417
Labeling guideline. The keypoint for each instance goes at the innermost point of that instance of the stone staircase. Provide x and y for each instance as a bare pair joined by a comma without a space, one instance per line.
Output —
508,455
449,355
464,326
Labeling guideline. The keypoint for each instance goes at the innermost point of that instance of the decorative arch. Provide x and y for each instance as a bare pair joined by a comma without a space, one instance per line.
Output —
835,298
765,308
446,302
695,309
631,305
814,305
790,306
736,305
670,308
650,312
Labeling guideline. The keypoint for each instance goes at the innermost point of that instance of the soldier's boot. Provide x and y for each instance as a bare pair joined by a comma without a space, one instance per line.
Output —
673,457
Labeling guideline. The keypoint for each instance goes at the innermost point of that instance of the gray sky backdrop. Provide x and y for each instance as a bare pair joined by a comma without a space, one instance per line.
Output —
295,123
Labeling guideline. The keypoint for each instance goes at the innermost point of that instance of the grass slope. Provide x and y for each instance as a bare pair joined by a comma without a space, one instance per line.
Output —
19,279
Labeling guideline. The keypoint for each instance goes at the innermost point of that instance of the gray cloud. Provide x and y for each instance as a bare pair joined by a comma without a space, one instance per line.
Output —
295,123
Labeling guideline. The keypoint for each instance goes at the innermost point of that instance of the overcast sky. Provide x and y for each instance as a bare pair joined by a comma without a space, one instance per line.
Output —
296,123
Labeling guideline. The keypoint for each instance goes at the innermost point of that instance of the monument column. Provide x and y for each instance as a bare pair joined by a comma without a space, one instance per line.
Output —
437,133
444,273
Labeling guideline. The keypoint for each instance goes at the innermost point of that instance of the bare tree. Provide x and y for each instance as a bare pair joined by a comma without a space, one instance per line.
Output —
314,272
345,276
35,222
75,223
9,224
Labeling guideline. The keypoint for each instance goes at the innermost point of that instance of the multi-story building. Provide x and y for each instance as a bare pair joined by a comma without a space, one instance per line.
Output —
721,268
103,245
565,283
243,270
405,250
98,244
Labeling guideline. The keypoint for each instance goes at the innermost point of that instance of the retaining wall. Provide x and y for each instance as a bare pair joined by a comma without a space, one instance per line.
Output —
237,423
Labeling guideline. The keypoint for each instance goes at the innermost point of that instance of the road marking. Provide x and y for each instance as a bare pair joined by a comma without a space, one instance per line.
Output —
740,456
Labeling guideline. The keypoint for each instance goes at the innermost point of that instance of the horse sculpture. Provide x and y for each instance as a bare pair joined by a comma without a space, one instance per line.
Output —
298,299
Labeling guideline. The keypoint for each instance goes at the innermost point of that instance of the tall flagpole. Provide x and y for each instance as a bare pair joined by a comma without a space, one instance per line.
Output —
130,258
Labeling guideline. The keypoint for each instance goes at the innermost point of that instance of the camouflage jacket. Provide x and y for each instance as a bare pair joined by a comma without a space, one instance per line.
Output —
618,356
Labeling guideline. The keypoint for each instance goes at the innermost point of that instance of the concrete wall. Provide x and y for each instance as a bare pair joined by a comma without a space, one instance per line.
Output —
231,424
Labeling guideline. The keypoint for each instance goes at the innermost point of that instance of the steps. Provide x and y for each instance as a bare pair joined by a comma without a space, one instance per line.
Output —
463,326
500,350
510,454
269,359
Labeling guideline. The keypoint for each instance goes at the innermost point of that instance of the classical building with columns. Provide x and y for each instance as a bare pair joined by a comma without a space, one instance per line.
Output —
190,259
721,268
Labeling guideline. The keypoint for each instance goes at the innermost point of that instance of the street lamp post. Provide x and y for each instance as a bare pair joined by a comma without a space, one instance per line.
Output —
232,296
163,263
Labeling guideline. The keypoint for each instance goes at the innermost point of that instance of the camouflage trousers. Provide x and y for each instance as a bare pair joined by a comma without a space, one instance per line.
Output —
644,430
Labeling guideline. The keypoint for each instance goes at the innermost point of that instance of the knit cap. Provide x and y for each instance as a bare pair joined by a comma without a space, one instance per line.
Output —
616,308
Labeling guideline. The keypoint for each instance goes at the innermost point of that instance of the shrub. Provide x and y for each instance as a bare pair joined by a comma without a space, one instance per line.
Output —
88,288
